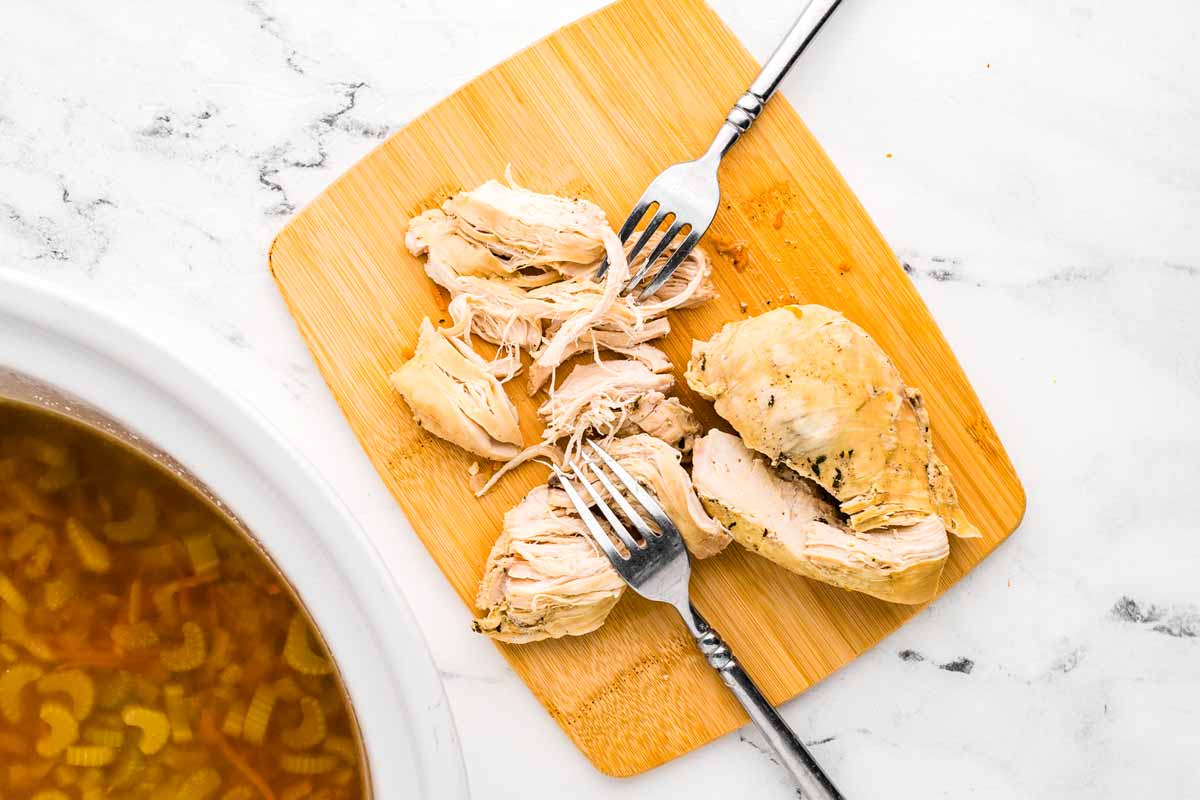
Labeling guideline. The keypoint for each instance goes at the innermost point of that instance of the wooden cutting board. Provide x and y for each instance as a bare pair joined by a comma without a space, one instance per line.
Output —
596,110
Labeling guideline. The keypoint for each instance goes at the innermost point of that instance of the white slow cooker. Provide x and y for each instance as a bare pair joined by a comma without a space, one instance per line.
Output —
61,353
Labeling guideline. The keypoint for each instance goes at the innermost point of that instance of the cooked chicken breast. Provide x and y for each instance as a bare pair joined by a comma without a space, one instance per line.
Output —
545,578
656,465
790,520
810,389
454,397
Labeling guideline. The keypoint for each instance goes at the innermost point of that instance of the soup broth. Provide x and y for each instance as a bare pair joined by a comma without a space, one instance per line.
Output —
147,648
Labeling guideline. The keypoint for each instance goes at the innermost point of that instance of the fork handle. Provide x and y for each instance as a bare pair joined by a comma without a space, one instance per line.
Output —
750,105
813,783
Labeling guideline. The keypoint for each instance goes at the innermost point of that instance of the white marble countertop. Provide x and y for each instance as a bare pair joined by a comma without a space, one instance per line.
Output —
1043,185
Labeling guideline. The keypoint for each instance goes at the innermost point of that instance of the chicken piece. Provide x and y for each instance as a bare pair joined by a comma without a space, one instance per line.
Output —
656,465
507,314
615,341
790,520
612,398
654,359
547,320
545,578
482,303
566,330
435,236
808,388
664,418
481,245
597,397
531,229
455,398
585,311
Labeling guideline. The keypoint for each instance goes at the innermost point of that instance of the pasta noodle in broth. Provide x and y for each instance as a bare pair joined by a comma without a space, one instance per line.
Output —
147,648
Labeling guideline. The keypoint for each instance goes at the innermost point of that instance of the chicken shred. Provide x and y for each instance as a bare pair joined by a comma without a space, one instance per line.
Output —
518,266
612,397
543,452
615,341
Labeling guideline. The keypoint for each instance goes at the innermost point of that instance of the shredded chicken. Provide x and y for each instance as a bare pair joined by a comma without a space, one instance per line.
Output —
542,452
518,267
691,280
616,341
545,578
488,261
454,397
806,387
788,519
608,397
520,270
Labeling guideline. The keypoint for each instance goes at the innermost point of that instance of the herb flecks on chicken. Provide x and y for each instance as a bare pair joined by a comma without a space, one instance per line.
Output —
788,519
834,476
811,390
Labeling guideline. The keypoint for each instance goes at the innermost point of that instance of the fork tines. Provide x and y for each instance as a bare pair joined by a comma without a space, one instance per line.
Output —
662,246
649,532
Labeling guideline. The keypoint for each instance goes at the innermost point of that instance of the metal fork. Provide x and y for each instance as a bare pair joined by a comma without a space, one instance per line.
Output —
689,191
657,568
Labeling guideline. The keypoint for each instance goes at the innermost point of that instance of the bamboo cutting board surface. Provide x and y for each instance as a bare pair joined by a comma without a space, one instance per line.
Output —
596,110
